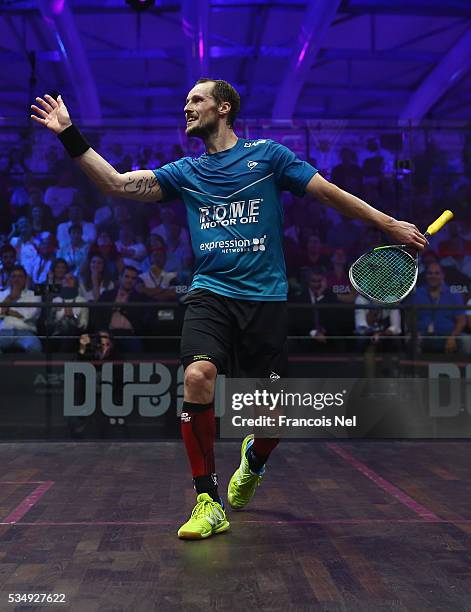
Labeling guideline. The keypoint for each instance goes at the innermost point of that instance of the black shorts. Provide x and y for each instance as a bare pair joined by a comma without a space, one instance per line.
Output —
243,338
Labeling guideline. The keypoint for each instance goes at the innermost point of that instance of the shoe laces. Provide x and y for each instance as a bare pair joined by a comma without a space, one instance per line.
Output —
202,508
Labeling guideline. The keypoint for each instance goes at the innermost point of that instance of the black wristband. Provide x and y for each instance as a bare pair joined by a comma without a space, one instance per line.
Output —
73,141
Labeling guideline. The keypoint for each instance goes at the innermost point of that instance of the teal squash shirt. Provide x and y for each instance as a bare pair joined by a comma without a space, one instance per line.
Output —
235,215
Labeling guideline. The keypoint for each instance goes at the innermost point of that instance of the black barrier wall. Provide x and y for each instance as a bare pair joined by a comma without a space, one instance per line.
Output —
55,396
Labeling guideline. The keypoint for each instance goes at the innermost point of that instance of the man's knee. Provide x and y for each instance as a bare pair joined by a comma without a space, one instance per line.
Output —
200,376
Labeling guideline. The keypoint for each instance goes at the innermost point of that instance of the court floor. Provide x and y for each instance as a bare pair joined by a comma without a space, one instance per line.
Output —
336,526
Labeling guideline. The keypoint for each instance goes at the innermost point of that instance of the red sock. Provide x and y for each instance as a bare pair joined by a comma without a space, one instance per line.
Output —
198,427
262,447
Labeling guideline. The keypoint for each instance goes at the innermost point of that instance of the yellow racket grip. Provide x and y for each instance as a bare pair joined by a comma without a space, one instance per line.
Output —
437,225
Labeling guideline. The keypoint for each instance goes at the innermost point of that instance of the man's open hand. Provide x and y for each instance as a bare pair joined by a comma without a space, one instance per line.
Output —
51,113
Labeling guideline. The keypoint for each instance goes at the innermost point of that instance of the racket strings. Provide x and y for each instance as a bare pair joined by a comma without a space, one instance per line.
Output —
385,275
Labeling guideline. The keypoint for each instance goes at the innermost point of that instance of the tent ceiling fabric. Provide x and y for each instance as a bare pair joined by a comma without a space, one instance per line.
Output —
373,60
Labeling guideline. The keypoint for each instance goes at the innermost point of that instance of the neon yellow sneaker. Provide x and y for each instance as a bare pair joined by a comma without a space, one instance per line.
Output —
208,517
243,483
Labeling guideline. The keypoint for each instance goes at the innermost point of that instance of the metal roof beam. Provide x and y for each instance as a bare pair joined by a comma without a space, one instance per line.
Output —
195,25
454,65
419,8
316,21
59,18
239,51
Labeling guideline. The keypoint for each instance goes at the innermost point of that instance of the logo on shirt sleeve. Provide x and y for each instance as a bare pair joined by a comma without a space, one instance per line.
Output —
251,164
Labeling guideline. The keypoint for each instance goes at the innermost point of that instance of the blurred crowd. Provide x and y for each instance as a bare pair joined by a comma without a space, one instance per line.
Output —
62,242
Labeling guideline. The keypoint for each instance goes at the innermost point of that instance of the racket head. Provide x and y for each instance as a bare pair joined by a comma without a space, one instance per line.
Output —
385,275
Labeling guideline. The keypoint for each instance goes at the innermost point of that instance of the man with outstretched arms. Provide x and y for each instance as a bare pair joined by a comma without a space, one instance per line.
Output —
235,319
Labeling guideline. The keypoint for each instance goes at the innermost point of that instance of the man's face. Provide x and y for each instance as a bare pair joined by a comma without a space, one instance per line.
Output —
46,246
60,270
158,256
434,276
315,281
201,111
128,279
97,264
8,259
36,213
105,342
76,236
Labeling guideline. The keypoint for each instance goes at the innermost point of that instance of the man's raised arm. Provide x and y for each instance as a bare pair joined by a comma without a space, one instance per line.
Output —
351,206
139,185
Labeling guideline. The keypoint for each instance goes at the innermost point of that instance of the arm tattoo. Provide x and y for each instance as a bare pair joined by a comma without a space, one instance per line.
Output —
142,186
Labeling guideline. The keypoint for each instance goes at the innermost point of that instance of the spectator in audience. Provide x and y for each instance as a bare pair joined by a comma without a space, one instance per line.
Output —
69,320
59,269
438,330
104,213
17,166
95,277
123,320
179,254
21,237
456,280
115,153
61,195
76,251
313,253
105,246
129,249
345,235
18,323
376,323
371,237
41,219
97,347
41,267
326,157
8,261
296,230
456,251
121,217
20,196
53,160
375,161
75,214
377,328
168,229
158,283
36,198
319,323
348,174
337,277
